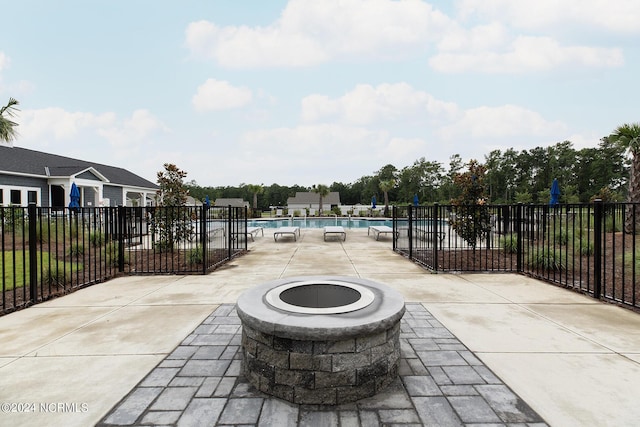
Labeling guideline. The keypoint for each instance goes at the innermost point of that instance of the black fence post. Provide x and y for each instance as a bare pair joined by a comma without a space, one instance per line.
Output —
33,254
394,225
519,239
410,231
244,230
204,212
597,247
121,227
436,235
230,233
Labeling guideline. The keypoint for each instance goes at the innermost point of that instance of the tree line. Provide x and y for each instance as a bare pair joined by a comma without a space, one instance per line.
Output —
510,177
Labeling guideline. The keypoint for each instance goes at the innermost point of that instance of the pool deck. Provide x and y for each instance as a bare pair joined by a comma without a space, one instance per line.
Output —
575,361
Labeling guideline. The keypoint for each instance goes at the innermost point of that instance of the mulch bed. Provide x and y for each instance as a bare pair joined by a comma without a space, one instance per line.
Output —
617,275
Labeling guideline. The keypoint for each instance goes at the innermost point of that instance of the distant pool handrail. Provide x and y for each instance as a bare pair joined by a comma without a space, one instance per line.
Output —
306,222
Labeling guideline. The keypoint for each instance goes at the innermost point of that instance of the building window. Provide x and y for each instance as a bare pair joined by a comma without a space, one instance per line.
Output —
16,197
32,196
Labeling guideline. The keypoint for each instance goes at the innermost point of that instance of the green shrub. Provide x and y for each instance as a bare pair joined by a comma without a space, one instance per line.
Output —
42,231
13,218
96,238
509,244
76,250
546,259
53,276
586,248
629,262
111,254
73,228
562,237
195,256
163,245
611,226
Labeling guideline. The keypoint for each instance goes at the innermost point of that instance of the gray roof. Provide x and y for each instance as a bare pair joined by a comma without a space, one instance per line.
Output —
16,160
305,198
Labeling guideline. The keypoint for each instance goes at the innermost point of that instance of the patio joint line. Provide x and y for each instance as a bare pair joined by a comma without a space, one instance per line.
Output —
286,266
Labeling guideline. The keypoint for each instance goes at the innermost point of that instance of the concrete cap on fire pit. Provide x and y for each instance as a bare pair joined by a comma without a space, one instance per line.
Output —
320,307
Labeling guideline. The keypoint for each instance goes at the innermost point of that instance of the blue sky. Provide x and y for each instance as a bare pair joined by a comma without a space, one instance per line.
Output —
311,92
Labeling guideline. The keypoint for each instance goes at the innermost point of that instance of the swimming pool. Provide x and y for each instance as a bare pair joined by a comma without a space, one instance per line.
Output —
318,222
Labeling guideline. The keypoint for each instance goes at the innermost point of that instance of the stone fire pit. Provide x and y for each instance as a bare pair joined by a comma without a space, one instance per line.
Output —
320,340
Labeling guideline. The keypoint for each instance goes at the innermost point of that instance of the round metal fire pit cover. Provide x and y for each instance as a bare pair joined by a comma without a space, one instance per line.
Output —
320,297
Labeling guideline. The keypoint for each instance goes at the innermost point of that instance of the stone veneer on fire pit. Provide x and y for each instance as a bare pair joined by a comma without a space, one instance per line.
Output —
320,340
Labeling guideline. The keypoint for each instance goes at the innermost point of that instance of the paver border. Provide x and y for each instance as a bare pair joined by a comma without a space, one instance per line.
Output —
440,382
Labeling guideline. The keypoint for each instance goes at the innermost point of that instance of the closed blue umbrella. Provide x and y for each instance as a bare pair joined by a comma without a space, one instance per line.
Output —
207,201
415,200
555,193
74,196
373,202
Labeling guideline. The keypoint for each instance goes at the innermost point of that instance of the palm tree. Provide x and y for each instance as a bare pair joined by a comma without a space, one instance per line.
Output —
8,127
322,191
385,187
255,190
628,136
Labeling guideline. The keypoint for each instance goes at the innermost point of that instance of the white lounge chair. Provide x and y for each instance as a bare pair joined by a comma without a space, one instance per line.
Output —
286,230
426,233
337,230
213,232
253,232
379,229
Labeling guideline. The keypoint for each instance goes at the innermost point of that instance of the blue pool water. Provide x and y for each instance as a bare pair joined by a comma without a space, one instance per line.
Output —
317,222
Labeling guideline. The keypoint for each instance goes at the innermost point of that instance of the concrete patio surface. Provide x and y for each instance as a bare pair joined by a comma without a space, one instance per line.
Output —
69,361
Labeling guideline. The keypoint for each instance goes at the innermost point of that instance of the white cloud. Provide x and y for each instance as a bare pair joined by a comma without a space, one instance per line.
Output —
42,127
590,139
508,121
17,89
320,153
309,33
528,54
366,104
617,16
248,47
220,95
4,61
402,151
481,37
136,129
58,124
312,140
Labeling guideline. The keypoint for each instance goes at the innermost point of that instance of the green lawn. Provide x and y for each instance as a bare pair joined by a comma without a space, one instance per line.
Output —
22,268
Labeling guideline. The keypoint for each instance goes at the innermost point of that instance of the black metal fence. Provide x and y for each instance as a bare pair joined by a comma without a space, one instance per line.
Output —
47,253
593,248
